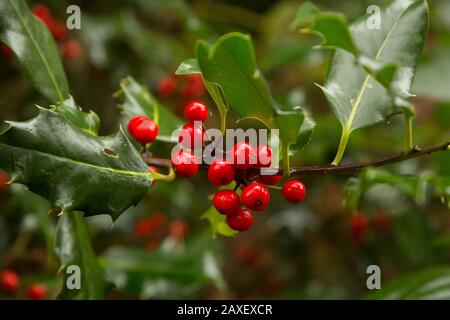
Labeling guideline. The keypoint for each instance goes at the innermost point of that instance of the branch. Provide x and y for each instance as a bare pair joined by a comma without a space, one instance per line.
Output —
331,169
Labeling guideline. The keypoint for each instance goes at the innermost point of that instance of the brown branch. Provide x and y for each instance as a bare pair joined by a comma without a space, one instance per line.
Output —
330,169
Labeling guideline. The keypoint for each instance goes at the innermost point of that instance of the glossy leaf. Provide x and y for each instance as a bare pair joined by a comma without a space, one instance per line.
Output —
429,284
139,101
73,247
73,169
89,122
357,99
35,49
188,66
231,64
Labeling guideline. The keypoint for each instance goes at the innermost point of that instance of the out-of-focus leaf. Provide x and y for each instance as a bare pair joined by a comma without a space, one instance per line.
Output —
73,169
139,101
430,284
156,274
73,247
89,122
218,223
35,48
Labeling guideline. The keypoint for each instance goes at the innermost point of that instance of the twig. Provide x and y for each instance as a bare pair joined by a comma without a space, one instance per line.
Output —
331,169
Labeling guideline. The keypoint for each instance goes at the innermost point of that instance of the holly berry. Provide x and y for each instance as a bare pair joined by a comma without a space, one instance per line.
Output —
72,49
193,88
241,221
264,156
192,135
221,173
58,30
178,229
255,196
37,291
166,86
294,191
196,111
9,280
43,12
185,163
3,179
243,155
6,51
148,225
269,180
226,202
143,129
358,225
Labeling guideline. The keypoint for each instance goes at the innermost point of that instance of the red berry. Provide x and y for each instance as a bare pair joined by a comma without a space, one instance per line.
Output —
4,179
143,129
58,30
178,229
9,280
241,221
255,196
196,111
358,225
192,135
6,51
294,191
221,173
185,163
244,156
382,221
264,154
193,88
72,49
155,170
226,202
37,291
43,12
148,225
166,86
248,254
269,180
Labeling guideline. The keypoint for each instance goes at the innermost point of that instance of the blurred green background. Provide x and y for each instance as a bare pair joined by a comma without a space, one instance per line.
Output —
162,248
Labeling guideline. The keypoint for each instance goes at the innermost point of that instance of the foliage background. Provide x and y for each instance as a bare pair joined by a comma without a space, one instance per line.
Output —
294,251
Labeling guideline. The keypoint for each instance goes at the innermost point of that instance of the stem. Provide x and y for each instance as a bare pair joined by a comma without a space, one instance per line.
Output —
342,146
409,133
415,152
223,122
286,163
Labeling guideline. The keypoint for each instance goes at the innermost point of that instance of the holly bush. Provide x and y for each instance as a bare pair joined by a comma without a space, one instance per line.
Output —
357,111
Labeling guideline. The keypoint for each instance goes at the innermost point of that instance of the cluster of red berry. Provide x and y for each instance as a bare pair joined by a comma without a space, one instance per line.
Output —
359,225
10,282
189,87
70,48
245,157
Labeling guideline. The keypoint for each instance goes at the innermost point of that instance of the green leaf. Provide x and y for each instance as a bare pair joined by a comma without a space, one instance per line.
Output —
73,169
35,48
188,66
139,101
73,247
359,100
218,223
333,27
429,284
231,65
89,122
155,274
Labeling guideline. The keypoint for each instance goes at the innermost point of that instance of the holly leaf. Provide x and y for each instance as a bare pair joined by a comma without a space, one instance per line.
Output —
137,100
168,271
230,64
359,100
218,223
74,170
73,247
35,49
88,121
429,284
188,66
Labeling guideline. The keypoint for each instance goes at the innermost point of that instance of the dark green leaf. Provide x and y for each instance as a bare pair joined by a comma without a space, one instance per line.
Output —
73,169
35,48
73,247
139,101
89,122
